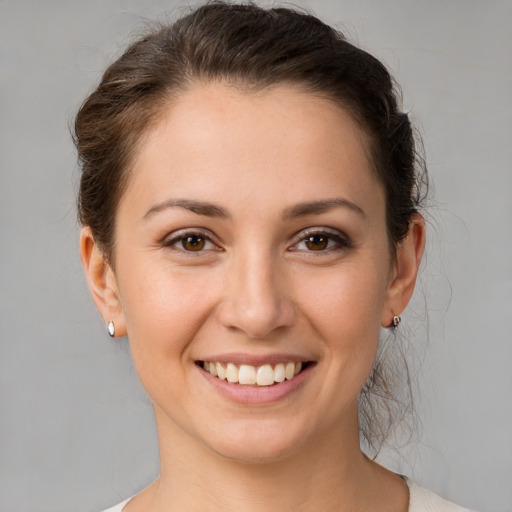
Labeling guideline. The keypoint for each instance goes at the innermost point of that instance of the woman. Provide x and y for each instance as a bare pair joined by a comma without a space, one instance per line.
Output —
250,203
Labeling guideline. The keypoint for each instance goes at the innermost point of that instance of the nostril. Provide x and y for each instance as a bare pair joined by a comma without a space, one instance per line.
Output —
257,322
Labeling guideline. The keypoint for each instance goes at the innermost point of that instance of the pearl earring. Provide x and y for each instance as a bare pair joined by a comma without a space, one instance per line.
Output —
396,321
111,328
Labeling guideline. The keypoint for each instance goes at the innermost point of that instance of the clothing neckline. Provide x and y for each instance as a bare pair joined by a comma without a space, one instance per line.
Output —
410,484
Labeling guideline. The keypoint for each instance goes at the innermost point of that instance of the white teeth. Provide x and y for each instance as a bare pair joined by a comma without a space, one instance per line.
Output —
247,375
213,369
221,371
232,373
279,373
265,375
290,371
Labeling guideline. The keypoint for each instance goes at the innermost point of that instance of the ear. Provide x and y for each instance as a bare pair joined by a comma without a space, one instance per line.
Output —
405,270
102,282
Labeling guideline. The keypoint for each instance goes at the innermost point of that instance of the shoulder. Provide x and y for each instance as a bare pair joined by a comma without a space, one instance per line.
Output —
423,500
118,507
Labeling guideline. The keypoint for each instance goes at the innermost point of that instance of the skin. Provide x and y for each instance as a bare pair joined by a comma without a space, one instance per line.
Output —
256,288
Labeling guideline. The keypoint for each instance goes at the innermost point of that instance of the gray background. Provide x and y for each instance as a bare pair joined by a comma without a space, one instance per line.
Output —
76,430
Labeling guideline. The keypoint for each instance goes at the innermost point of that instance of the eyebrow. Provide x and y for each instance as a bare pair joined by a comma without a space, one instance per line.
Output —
199,207
212,210
321,206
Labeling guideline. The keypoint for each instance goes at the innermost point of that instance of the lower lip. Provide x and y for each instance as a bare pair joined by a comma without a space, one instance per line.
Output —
257,395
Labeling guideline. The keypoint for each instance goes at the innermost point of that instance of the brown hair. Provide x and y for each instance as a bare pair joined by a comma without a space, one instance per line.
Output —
252,48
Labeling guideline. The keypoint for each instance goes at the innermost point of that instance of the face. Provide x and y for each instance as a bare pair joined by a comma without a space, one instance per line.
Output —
252,238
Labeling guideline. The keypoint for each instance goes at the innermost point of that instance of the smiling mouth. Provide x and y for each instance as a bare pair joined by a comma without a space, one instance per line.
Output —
248,375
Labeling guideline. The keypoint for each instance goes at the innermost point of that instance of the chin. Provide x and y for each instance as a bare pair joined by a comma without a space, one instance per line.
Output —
256,455
256,444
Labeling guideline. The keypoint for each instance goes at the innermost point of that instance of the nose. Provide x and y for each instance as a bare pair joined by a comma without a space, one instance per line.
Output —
257,299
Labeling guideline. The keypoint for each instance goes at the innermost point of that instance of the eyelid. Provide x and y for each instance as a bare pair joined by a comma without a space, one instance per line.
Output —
342,240
170,240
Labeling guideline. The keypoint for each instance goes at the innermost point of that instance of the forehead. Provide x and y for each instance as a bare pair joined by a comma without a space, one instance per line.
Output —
217,140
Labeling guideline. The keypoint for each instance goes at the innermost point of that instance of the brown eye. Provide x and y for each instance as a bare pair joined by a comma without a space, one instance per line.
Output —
322,242
317,242
193,243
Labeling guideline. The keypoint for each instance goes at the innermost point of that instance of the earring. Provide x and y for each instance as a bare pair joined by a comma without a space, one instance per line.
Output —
111,328
396,321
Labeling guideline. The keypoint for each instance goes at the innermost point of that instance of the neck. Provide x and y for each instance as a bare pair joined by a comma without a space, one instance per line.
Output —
325,475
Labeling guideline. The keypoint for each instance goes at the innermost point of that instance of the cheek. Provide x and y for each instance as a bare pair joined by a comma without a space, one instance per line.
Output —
351,296
344,309
164,308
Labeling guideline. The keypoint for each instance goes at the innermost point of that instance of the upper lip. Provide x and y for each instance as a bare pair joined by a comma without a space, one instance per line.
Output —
239,358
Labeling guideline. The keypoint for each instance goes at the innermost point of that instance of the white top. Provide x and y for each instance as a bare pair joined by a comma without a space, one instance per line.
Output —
420,500
423,500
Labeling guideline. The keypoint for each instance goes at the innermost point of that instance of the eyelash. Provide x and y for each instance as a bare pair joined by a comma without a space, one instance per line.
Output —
182,236
340,241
